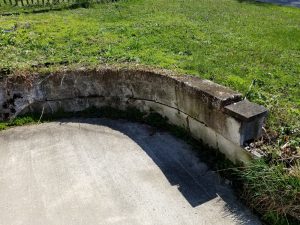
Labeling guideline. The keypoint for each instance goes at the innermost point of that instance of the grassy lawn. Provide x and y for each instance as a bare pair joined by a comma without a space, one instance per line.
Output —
253,48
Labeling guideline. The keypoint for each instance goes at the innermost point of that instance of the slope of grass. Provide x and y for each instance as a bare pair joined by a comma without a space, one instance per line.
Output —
252,48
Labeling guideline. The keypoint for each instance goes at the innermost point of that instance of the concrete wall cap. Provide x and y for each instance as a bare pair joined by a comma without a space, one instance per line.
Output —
216,92
245,110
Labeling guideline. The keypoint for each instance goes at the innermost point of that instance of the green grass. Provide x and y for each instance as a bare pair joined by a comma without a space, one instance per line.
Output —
272,191
18,122
232,43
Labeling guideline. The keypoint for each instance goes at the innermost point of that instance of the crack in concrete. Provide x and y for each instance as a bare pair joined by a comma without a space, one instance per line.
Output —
132,98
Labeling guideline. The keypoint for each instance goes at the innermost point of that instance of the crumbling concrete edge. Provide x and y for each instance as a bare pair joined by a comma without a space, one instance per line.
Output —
212,113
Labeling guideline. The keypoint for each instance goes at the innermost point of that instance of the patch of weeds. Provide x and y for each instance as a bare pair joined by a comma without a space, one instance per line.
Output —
271,190
19,121
22,121
3,126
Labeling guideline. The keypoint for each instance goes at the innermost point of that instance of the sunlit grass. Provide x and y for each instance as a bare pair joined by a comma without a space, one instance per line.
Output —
235,44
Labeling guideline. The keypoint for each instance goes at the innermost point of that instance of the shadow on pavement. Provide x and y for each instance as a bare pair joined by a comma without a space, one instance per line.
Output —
182,166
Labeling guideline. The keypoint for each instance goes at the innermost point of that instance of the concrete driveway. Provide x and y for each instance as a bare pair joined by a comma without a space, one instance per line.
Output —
100,171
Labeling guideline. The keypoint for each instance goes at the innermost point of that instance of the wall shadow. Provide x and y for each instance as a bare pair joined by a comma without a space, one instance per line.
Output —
181,165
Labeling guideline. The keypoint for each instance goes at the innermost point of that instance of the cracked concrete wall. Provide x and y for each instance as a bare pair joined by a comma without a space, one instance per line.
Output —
208,110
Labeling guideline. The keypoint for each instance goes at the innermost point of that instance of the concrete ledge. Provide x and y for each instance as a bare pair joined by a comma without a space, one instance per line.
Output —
210,112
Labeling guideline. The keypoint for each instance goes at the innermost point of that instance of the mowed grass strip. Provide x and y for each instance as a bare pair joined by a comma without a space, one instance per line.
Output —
251,47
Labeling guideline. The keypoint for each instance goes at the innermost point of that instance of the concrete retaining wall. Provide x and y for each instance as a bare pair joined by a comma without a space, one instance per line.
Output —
210,112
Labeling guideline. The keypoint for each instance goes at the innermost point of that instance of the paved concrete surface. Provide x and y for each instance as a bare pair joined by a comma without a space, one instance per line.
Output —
100,171
295,3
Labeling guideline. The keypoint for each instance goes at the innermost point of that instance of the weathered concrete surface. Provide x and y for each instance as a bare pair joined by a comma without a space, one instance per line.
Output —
192,103
99,171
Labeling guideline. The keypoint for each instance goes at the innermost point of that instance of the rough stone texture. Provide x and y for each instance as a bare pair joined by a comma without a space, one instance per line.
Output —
108,172
186,100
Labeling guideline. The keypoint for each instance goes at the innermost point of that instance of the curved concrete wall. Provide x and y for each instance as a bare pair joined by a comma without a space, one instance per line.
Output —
210,112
